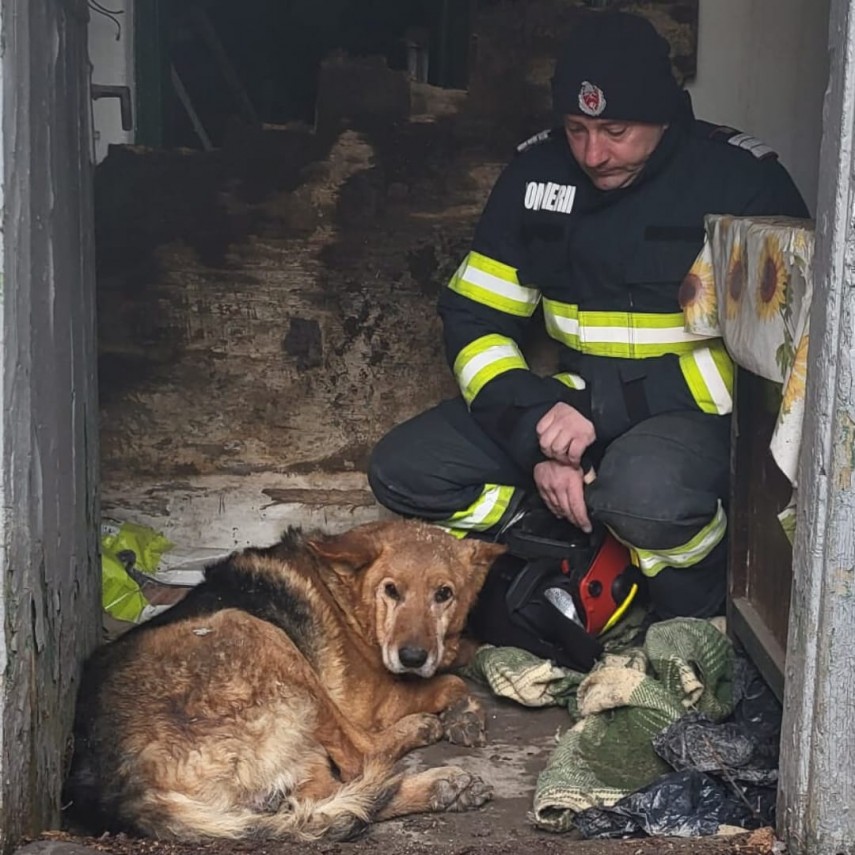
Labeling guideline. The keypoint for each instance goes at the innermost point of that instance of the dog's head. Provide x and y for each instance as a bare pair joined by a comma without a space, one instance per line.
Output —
410,586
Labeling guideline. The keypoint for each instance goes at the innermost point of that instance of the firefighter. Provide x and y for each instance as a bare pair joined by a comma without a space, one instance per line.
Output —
595,224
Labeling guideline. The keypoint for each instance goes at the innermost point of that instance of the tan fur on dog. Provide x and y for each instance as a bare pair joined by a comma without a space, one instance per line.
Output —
276,699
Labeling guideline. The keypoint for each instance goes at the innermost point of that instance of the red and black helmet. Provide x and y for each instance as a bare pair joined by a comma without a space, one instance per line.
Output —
607,586
555,596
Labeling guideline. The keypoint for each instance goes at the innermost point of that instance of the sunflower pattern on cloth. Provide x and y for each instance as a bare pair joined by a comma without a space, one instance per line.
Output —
752,285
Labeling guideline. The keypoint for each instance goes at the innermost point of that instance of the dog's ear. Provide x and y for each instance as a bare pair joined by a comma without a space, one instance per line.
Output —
480,555
351,550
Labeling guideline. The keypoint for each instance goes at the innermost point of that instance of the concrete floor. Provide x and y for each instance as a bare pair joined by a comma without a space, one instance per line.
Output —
520,741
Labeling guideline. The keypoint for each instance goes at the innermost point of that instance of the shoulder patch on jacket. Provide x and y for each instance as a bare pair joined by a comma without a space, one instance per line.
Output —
537,139
723,133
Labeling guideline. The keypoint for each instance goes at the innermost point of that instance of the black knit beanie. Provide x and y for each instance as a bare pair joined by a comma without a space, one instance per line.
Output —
616,66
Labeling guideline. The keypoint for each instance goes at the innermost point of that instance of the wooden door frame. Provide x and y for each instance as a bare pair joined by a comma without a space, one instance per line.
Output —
817,785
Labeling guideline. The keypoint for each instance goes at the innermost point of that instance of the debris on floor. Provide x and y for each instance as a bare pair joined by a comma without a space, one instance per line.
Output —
677,736
759,842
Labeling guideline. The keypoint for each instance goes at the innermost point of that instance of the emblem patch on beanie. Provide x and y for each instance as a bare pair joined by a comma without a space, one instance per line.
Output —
592,102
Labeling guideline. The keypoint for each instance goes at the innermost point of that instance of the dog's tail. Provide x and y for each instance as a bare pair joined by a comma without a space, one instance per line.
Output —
344,815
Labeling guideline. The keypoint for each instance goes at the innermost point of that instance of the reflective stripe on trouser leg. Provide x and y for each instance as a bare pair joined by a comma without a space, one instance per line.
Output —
651,561
485,512
708,373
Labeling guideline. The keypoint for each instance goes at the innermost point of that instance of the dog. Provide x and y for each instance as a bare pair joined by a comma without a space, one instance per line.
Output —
275,699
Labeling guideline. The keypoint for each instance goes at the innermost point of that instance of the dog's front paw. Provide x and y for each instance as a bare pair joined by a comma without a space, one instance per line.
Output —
465,723
455,789
413,731
427,729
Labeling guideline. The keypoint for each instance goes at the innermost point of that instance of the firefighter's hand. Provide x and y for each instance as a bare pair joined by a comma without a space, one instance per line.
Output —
564,434
561,486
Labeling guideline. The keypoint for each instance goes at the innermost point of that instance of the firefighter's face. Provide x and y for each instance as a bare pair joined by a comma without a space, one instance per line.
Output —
611,153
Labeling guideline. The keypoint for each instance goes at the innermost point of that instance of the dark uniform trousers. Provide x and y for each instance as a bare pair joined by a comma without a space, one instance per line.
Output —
657,486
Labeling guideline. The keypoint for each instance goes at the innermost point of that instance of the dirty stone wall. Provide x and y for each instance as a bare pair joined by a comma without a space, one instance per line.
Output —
270,307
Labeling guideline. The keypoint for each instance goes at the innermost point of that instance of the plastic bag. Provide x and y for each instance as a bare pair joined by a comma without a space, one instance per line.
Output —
125,546
727,750
680,804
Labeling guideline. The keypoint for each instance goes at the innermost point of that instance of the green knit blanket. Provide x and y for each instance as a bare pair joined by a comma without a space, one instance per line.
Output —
632,693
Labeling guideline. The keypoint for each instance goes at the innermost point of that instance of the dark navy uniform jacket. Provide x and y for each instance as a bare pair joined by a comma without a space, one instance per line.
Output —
604,268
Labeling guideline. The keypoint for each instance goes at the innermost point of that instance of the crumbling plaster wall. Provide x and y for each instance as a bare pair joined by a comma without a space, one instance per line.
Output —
267,310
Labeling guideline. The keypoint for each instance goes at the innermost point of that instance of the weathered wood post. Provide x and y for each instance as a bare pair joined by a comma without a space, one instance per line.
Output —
49,600
817,791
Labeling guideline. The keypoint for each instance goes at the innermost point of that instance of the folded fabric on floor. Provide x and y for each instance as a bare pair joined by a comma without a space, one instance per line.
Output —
521,676
683,665
525,678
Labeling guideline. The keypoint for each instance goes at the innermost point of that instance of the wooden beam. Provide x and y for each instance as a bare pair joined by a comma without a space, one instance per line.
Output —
817,787
192,115
50,605
208,33
747,625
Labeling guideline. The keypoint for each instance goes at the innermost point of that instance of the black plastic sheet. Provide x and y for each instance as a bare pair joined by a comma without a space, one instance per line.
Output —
680,804
728,750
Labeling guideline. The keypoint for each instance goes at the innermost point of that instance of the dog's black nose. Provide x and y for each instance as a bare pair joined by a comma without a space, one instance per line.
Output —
412,657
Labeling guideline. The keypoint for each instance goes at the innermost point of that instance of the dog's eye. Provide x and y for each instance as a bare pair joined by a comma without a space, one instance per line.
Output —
443,594
391,591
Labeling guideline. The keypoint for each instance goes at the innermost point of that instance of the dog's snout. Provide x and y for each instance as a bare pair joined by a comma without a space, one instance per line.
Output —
412,657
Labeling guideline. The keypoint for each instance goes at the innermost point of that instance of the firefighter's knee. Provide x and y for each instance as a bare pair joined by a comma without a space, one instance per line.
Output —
653,494
647,514
387,469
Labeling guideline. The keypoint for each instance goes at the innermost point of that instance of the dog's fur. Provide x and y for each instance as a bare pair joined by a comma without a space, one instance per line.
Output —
275,699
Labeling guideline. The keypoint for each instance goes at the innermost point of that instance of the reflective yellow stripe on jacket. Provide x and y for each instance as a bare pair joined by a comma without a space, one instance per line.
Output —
630,335
494,284
706,366
572,381
484,359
